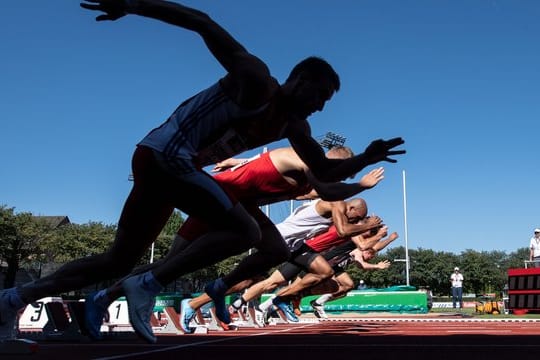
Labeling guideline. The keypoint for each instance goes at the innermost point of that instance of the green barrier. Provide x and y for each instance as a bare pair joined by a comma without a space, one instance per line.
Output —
168,300
164,300
395,299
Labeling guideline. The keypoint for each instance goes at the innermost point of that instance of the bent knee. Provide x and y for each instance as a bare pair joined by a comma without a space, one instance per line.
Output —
347,285
271,287
327,274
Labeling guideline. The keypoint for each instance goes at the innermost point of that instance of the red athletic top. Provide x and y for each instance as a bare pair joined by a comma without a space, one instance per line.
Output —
255,182
326,240
259,182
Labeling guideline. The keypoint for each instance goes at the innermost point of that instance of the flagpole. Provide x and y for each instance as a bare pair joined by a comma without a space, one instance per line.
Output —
406,230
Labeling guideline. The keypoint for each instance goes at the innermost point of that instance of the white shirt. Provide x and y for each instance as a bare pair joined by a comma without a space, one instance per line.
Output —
457,279
535,246
304,223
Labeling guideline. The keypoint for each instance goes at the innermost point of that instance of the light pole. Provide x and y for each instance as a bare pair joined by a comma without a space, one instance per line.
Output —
406,260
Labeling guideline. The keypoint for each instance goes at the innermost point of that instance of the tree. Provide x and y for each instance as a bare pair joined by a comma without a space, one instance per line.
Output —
515,259
20,240
165,239
430,268
74,241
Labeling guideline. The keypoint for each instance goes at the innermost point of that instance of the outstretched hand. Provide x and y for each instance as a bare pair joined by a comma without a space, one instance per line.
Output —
113,9
372,222
372,178
380,150
393,236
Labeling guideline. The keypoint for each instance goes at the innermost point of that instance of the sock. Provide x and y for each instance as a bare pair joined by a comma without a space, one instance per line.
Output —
323,299
149,283
265,305
238,303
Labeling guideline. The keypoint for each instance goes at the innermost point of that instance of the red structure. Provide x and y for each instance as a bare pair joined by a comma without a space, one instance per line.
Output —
523,290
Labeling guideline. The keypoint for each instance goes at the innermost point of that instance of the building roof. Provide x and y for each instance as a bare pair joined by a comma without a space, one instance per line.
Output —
55,221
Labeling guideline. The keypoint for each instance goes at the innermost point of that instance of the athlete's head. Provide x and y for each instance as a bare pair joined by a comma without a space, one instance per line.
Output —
356,209
311,83
368,254
315,67
364,254
339,152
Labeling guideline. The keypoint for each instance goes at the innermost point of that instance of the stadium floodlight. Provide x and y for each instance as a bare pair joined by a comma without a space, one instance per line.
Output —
331,139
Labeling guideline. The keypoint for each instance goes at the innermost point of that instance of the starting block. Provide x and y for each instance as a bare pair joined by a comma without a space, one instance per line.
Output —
214,323
18,347
201,330
61,326
250,317
34,316
171,323
51,319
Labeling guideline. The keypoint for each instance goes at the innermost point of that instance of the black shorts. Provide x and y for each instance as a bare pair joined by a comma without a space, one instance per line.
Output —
338,257
300,260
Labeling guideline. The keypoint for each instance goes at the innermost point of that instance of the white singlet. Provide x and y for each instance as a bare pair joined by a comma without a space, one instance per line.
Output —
304,223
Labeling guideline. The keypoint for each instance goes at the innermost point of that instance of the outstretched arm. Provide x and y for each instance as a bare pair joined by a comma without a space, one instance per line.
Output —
333,170
381,265
244,68
335,191
385,242
364,242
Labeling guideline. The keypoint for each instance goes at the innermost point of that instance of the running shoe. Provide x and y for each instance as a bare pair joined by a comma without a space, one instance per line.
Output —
285,307
93,316
318,310
216,290
186,315
140,307
8,318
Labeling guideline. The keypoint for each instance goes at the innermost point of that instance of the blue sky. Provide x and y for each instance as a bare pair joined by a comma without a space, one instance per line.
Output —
459,80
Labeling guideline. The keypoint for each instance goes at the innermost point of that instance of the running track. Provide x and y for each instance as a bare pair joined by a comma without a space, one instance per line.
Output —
354,338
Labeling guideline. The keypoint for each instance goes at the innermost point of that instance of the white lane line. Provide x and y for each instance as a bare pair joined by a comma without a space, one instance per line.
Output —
160,350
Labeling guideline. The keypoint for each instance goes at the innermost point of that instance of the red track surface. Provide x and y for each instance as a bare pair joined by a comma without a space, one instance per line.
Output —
372,339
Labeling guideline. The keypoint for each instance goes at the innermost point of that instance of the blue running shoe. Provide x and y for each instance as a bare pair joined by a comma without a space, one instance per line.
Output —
186,315
286,308
93,315
140,307
217,290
